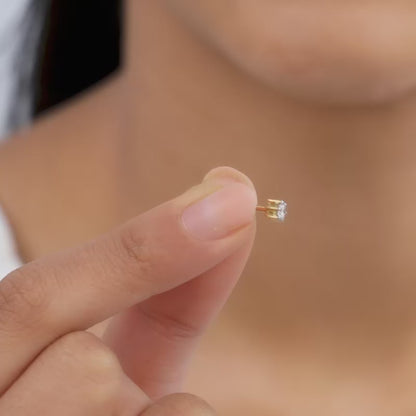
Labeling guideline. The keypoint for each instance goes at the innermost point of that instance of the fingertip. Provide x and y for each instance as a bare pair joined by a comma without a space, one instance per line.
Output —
180,404
225,174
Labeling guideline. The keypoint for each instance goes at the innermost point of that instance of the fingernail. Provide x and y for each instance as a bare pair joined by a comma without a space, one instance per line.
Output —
222,212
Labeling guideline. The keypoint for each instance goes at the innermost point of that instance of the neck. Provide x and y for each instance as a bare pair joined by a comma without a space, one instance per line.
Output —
58,182
348,175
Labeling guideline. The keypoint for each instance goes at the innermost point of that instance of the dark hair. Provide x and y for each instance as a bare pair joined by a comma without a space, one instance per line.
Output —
71,45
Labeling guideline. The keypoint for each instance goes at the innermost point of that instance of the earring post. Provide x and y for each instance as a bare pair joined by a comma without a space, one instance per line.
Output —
276,209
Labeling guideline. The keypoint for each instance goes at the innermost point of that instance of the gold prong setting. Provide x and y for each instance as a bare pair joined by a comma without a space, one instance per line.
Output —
275,209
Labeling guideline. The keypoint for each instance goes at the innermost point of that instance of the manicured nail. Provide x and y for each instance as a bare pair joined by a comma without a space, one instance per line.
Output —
219,214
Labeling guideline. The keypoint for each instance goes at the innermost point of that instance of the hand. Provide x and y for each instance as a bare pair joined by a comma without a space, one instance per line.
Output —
164,274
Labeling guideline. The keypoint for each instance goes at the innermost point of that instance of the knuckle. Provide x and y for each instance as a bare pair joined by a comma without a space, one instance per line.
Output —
137,256
95,366
24,300
81,365
90,354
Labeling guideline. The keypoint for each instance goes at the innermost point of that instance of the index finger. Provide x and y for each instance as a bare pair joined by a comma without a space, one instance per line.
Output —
148,255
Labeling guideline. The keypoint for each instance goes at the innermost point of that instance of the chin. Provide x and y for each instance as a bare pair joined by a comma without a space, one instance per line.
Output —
346,53
332,77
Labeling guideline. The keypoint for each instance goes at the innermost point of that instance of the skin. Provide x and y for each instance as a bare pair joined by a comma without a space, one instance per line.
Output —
316,105
47,306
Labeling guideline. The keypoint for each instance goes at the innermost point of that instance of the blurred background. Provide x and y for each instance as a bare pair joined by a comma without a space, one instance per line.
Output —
49,51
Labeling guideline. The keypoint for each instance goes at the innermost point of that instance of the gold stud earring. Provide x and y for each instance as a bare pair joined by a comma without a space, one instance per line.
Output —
275,209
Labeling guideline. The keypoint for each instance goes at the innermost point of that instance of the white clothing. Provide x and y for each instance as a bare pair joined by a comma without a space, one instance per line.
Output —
12,31
9,258
11,15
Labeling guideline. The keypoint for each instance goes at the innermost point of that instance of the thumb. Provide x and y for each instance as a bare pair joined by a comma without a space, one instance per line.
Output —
180,404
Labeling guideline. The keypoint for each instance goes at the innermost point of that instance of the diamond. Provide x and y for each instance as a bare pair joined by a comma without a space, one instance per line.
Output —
276,209
281,211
